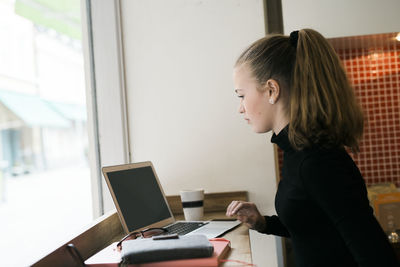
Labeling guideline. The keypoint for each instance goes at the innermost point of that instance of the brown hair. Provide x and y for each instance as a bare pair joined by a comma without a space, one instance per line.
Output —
321,104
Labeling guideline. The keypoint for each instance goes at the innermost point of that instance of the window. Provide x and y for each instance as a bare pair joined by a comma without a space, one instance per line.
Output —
45,187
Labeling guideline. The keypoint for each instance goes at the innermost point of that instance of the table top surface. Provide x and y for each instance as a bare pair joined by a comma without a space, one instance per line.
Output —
239,238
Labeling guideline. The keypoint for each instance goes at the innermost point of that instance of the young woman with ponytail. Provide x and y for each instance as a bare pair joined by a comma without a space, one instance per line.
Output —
296,86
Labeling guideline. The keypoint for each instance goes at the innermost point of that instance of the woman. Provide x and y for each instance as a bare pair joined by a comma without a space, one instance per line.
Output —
297,87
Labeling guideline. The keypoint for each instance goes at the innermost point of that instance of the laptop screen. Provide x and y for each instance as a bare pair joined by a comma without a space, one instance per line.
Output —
139,196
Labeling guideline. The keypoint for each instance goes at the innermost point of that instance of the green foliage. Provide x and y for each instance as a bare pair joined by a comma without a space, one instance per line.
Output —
61,15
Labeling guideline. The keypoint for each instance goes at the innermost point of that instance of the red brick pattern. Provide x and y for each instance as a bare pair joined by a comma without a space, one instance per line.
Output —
372,63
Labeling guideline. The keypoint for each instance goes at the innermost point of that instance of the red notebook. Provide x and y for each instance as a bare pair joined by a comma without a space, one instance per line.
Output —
110,257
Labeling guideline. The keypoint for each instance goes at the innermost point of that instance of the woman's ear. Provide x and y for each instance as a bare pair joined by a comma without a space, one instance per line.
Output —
273,91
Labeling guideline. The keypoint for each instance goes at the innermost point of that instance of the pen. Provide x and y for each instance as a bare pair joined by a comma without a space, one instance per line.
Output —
162,237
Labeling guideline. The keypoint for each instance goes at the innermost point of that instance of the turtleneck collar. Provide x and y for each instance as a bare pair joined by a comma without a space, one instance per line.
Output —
282,139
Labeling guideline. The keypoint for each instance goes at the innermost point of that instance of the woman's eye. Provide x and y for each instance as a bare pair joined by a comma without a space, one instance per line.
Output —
241,96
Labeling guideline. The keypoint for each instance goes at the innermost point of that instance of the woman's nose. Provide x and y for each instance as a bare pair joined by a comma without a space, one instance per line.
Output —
241,108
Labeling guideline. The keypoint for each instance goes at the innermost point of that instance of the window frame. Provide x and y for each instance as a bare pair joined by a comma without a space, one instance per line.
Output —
105,89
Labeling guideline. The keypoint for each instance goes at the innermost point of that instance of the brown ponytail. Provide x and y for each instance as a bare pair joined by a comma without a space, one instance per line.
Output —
323,108
321,104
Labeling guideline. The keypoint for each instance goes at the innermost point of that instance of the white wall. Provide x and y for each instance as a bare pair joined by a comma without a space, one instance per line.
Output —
342,17
181,104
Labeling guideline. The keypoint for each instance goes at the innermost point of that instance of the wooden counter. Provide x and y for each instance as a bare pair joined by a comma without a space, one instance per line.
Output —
108,229
239,237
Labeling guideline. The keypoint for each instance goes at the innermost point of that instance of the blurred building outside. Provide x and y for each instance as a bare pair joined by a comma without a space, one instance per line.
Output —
45,194
42,93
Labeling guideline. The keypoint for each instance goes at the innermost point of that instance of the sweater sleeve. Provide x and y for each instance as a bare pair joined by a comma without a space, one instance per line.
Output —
337,187
274,227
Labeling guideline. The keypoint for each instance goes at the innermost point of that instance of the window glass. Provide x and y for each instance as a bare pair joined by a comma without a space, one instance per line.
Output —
45,189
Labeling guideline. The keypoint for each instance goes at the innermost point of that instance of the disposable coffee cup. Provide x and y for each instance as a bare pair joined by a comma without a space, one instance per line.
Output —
193,204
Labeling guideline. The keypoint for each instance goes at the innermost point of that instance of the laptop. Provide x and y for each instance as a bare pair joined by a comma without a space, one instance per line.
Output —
141,203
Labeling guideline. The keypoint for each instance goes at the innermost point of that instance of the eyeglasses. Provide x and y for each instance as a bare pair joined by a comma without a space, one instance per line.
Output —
150,232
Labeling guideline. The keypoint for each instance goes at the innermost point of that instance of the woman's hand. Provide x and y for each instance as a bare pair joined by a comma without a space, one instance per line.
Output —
247,213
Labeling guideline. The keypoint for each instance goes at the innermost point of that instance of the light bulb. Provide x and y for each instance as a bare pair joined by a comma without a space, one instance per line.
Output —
398,37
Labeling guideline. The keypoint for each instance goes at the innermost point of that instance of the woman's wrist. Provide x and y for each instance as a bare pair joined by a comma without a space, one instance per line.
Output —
260,224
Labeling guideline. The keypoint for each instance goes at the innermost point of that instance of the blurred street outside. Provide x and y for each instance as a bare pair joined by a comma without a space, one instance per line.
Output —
56,206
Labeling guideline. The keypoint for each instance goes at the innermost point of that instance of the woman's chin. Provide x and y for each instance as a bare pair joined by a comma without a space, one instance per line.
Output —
259,130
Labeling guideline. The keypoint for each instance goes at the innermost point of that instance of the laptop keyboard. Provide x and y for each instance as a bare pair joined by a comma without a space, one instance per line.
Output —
182,228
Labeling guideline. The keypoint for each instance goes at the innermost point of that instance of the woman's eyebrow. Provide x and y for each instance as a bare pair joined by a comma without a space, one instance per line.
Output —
236,90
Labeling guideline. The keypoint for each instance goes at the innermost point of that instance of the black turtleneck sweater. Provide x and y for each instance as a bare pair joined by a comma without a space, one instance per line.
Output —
322,205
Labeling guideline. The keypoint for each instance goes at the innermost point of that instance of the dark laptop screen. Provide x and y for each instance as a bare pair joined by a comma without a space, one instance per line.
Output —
139,197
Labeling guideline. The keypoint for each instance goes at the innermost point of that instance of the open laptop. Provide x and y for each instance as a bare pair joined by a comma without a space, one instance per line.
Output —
141,203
